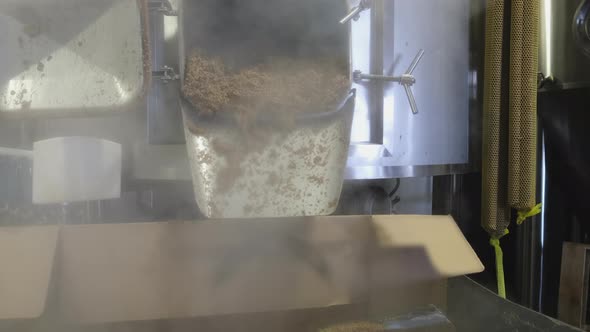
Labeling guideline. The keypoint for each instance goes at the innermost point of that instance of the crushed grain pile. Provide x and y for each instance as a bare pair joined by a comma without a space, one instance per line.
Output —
280,85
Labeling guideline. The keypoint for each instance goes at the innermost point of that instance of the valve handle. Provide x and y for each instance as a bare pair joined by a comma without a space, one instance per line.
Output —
408,80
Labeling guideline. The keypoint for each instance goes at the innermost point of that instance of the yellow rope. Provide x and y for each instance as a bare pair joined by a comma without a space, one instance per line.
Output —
495,242
527,213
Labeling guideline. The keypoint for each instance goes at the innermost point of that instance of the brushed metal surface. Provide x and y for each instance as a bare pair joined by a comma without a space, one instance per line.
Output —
435,140
164,117
70,56
559,55
439,134
381,170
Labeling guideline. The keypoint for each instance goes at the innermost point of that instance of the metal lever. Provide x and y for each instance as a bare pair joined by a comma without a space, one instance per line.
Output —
355,12
406,80
415,62
407,84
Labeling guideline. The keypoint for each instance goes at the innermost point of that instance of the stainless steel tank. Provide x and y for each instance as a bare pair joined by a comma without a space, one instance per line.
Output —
291,171
396,135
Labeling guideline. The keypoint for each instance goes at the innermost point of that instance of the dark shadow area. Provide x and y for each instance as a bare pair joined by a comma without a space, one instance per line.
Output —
564,117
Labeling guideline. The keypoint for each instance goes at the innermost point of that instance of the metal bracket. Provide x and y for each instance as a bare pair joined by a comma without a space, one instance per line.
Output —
162,6
166,74
407,80
356,11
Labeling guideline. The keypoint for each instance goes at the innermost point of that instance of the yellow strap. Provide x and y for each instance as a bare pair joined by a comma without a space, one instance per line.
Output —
495,242
527,213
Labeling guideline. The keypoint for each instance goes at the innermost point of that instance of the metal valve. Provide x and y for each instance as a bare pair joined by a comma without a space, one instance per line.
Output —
406,80
355,12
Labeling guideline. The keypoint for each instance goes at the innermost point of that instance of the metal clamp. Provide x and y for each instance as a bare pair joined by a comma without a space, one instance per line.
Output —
166,74
406,80
162,6
356,11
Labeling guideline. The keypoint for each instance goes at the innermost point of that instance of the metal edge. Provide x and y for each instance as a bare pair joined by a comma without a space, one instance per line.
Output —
144,21
16,153
192,118
388,172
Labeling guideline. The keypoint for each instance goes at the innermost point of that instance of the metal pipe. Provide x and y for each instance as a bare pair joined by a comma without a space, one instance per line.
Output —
415,62
355,12
411,99
360,76
376,94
